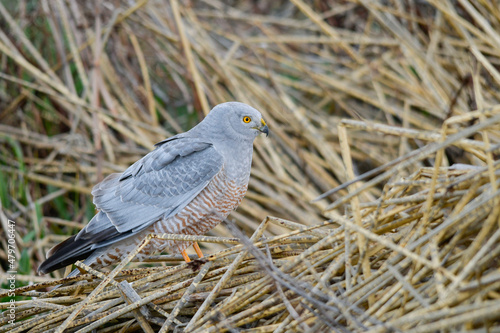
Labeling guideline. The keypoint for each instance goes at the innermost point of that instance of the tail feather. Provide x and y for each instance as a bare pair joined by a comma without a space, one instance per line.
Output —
83,244
59,246
66,253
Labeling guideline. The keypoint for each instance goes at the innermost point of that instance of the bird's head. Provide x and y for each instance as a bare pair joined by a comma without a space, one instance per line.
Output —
236,121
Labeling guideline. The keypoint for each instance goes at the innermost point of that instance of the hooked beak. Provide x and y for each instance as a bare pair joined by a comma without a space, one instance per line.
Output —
264,128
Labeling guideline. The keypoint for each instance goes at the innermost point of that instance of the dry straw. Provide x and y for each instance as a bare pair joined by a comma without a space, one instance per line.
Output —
404,89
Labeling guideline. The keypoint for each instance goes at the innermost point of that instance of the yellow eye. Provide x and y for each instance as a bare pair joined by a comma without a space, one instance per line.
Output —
247,119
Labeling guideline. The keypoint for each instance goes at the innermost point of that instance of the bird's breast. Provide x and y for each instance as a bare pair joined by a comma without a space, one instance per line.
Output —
212,205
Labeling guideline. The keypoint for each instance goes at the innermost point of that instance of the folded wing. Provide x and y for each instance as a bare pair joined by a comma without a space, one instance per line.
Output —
157,186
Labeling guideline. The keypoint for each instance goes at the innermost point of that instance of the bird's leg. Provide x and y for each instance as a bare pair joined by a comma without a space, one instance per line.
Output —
185,256
198,250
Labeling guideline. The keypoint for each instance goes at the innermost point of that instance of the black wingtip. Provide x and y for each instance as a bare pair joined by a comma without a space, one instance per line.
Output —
64,254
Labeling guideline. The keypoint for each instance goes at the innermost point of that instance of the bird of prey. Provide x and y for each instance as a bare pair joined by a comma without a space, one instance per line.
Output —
187,185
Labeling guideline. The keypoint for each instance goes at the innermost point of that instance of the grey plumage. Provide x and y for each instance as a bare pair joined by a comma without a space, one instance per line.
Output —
164,182
171,171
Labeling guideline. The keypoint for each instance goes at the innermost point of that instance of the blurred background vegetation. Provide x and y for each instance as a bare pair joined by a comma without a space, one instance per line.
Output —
87,88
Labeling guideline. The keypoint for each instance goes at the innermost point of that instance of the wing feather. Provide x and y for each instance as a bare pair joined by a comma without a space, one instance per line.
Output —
157,186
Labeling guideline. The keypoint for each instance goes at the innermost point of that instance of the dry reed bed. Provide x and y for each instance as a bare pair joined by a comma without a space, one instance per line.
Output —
422,257
81,98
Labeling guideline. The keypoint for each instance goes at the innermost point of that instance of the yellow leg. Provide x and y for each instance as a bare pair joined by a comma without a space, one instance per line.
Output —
185,256
198,250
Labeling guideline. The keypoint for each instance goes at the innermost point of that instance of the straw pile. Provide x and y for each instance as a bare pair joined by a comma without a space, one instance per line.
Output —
410,246
423,258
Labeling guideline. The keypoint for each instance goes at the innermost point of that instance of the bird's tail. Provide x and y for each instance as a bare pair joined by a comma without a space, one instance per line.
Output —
65,253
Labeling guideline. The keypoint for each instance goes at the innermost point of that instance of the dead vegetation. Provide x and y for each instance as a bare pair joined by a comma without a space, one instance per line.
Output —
399,89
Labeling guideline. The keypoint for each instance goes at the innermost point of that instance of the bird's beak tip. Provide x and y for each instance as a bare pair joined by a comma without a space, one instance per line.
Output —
264,128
